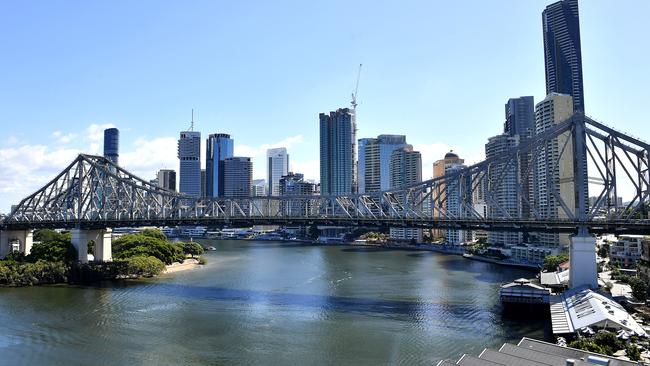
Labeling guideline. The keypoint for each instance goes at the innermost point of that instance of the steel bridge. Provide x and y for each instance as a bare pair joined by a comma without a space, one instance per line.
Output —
550,174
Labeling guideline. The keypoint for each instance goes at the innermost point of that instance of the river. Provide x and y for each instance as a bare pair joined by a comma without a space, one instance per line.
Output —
269,303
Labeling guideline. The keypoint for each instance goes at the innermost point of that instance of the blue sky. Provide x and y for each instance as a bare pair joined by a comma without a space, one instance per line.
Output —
436,71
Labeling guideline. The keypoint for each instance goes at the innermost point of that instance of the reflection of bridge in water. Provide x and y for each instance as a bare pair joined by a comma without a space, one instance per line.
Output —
93,195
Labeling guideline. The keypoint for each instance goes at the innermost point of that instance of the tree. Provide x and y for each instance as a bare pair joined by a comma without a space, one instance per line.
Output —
53,247
608,342
154,233
603,251
586,345
145,266
551,262
133,245
632,352
639,288
192,248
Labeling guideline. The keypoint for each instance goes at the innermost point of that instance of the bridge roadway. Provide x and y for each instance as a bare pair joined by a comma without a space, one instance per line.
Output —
639,227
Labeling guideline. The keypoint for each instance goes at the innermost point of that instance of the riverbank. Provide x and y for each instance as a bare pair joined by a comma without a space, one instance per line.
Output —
188,264
501,262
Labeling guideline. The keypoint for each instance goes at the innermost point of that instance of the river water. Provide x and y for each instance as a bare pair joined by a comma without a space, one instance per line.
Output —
268,303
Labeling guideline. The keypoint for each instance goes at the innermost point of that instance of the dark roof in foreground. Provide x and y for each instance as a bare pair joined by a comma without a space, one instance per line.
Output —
531,352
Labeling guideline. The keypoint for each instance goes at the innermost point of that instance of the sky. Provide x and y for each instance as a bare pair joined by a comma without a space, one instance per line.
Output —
436,71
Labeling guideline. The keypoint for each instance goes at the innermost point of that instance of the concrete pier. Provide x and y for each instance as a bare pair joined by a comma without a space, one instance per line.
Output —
16,240
583,271
103,244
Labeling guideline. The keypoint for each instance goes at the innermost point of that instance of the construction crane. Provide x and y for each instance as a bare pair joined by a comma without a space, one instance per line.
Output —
356,89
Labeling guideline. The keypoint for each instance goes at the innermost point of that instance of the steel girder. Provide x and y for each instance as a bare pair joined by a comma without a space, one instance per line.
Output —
550,185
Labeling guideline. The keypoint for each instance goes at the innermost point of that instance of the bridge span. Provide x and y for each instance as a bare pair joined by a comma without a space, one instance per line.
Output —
550,175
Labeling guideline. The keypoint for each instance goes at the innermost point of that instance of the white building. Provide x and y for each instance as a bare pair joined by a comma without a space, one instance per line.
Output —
532,254
626,251
453,205
277,167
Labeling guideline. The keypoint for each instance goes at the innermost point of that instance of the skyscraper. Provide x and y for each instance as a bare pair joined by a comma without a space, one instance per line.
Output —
374,161
189,154
520,117
502,187
337,163
167,179
440,168
405,168
562,51
453,204
552,177
293,184
277,167
219,146
238,176
112,145
520,122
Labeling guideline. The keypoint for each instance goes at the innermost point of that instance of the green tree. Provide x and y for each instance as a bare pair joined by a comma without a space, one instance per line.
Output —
53,247
639,288
603,251
133,245
145,266
608,342
154,233
192,249
586,345
551,262
632,352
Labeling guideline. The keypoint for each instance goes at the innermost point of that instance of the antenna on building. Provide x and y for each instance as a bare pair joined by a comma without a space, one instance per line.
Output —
192,122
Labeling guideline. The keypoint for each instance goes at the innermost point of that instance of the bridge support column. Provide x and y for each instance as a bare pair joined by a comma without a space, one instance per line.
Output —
582,256
16,240
103,245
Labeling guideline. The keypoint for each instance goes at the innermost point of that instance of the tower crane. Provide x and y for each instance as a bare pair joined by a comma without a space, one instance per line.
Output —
356,89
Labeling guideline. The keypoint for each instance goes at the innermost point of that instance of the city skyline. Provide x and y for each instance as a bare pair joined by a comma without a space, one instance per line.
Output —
145,153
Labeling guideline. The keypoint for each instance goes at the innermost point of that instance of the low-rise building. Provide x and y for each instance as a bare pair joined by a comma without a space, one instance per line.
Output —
626,251
532,254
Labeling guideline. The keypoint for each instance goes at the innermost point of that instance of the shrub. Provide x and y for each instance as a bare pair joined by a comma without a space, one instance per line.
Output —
202,260
639,288
145,266
608,342
29,274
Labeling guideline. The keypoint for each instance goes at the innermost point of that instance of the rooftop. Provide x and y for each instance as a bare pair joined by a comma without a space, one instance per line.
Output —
580,308
531,352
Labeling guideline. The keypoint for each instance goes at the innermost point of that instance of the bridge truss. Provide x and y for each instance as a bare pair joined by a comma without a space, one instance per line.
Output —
541,185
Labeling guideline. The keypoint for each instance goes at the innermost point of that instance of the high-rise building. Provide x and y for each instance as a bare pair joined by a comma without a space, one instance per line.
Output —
562,51
520,117
520,121
405,168
189,154
112,145
555,172
502,181
203,183
337,165
167,179
238,176
259,188
453,204
277,167
374,161
219,146
439,169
